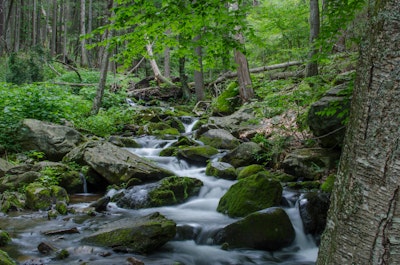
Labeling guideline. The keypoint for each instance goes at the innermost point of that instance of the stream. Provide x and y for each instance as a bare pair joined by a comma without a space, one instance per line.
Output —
198,217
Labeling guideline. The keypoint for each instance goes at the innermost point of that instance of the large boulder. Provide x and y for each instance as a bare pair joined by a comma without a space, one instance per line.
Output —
329,126
270,230
313,209
53,140
169,191
221,170
197,154
11,201
310,163
243,155
39,197
251,194
219,138
116,165
135,234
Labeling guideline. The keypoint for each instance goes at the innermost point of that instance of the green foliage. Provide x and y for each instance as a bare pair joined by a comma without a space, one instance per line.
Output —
50,176
106,122
110,99
228,101
44,102
273,146
25,67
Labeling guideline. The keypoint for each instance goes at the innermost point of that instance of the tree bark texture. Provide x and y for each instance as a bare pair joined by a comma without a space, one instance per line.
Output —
312,65
363,225
245,85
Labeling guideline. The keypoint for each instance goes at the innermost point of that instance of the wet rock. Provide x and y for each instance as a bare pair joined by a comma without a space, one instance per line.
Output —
310,163
4,166
251,194
243,155
5,259
123,141
221,170
10,182
101,204
11,201
116,165
200,154
169,191
268,230
330,129
139,234
72,230
39,197
53,140
220,139
4,238
46,248
183,141
313,209
134,261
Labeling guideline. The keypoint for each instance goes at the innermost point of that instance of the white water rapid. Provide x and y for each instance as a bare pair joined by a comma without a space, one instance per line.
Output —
200,215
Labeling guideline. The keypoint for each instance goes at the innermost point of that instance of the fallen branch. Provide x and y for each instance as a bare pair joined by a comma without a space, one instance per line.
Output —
73,84
229,75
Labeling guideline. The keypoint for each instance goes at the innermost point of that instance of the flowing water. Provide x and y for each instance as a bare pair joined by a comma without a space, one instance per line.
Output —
198,217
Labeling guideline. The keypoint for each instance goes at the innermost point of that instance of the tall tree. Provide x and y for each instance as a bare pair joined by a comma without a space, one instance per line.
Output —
84,57
312,65
363,222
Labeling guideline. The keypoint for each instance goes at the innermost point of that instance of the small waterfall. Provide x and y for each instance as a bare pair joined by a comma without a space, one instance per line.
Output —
84,183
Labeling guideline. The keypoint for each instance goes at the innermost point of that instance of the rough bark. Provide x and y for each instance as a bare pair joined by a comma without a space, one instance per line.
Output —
312,65
363,224
199,76
154,66
245,85
84,58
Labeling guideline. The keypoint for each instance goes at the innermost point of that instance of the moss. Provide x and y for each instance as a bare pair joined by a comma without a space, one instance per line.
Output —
198,153
62,254
39,197
327,186
11,201
5,259
62,207
169,151
304,185
174,190
251,194
227,101
221,170
4,238
249,170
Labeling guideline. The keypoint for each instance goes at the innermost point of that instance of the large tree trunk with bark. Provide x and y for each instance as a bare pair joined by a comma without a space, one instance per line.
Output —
363,224
312,65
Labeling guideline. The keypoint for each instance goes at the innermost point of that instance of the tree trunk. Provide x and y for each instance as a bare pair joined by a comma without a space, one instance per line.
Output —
54,29
363,224
245,85
167,62
84,59
183,78
2,20
157,73
312,65
199,76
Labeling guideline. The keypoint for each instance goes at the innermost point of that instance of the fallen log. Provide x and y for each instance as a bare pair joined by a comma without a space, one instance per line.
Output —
229,75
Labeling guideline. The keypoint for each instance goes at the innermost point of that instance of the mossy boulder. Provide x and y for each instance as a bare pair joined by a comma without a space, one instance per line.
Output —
269,230
5,259
135,234
200,154
183,141
304,185
4,166
227,101
11,201
40,197
114,164
220,139
251,194
169,191
243,155
4,238
128,142
221,170
247,171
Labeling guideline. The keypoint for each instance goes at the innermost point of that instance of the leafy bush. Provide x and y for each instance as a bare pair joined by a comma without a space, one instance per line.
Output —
44,102
25,68
110,99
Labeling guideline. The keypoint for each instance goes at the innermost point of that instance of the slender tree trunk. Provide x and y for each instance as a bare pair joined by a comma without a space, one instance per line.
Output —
154,66
167,62
363,224
199,73
34,22
2,29
183,78
84,59
53,45
103,71
312,65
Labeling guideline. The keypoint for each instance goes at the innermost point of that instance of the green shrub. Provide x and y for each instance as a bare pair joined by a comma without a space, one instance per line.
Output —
25,68
228,101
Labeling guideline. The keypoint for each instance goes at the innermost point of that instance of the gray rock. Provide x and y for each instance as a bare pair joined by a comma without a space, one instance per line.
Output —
136,234
221,170
310,163
219,138
4,166
53,140
243,155
116,164
330,129
199,154
268,230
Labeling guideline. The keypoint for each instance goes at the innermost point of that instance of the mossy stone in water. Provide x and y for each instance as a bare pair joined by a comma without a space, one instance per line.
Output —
197,153
221,170
251,194
249,170
39,197
4,238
